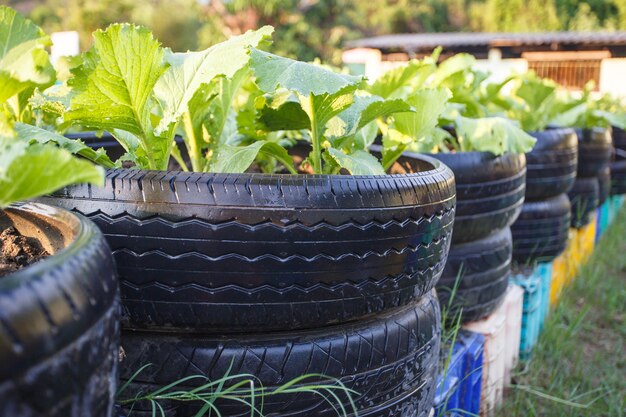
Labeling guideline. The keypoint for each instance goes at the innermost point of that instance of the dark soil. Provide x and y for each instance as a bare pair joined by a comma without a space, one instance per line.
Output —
17,251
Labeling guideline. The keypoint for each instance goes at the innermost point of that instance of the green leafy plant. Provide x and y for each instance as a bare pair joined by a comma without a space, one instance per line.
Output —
588,110
33,161
241,388
130,86
339,118
457,97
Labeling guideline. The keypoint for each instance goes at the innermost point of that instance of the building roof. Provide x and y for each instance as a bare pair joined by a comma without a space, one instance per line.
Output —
427,41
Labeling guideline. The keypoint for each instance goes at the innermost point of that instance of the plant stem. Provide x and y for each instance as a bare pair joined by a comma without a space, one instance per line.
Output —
191,143
316,153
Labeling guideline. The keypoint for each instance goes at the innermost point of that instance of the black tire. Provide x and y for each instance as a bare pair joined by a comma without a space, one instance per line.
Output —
390,360
482,269
595,149
619,138
604,185
552,164
584,197
618,177
59,328
540,232
490,192
251,252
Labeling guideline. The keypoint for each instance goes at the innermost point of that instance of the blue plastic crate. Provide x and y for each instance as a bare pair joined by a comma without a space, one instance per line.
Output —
448,394
458,387
471,384
544,270
531,316
603,218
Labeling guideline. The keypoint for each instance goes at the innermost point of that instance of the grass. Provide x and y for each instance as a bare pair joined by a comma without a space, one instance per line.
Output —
578,368
241,388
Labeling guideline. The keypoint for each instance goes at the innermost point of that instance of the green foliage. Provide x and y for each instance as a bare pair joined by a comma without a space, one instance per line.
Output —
242,388
492,134
126,77
33,161
339,120
30,170
24,62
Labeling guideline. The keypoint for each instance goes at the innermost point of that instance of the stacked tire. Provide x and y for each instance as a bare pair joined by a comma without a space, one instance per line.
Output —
593,180
277,277
541,231
59,320
490,194
618,165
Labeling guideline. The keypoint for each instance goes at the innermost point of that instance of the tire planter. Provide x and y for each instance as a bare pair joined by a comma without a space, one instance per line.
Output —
482,269
604,185
390,360
59,328
618,177
541,231
584,197
219,253
490,192
595,148
619,138
552,164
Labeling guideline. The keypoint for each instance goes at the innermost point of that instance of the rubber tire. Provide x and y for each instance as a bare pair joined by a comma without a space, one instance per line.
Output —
604,184
619,138
483,268
391,360
59,327
552,164
595,149
584,197
618,177
227,253
541,231
490,192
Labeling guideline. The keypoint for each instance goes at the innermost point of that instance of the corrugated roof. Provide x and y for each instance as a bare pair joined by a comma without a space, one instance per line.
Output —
421,41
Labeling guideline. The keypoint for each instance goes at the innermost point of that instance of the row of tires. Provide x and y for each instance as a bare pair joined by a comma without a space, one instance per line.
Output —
272,276
562,189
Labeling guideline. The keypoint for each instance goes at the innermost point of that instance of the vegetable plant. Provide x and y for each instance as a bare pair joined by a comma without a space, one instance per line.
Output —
130,86
464,119
33,161
337,117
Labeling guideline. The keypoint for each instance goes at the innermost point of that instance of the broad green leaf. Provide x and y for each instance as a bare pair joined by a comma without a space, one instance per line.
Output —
535,92
273,71
190,70
397,82
322,108
357,163
365,110
452,66
492,134
569,117
429,104
24,62
32,134
281,111
28,171
114,87
365,137
406,128
53,101
614,119
236,159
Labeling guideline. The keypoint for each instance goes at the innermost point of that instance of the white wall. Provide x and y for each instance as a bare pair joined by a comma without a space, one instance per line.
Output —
613,76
